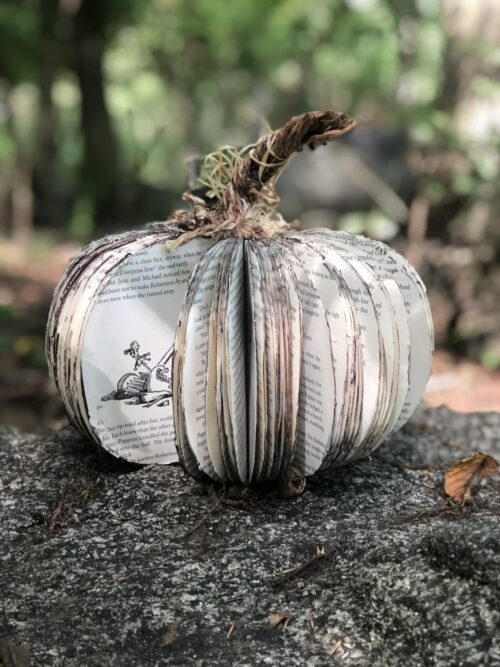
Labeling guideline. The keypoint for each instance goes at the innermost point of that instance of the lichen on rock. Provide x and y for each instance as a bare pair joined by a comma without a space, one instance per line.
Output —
99,565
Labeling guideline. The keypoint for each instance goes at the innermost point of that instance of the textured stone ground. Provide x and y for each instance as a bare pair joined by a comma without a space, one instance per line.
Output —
104,563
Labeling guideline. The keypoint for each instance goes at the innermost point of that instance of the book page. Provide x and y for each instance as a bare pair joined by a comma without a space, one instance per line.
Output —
373,312
185,453
195,366
269,299
127,352
219,429
281,313
317,385
335,303
376,337
214,428
254,462
292,313
80,284
257,385
259,391
387,264
402,353
235,357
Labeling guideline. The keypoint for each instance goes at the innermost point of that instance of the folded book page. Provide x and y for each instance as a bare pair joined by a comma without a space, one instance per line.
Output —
387,264
195,365
235,363
316,404
127,352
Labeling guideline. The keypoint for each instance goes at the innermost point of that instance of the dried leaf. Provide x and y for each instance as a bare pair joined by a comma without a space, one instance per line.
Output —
462,479
171,635
230,630
336,647
277,619
306,568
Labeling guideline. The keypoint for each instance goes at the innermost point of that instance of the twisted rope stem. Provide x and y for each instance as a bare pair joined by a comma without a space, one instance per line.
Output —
245,206
258,173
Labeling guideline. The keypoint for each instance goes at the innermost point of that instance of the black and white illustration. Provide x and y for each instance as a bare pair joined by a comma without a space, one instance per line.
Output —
124,347
147,383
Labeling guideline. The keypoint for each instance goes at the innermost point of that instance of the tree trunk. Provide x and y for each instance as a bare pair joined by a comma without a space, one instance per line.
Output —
100,165
21,189
49,209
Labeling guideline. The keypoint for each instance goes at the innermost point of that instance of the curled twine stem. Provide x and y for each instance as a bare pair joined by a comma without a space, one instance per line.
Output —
244,181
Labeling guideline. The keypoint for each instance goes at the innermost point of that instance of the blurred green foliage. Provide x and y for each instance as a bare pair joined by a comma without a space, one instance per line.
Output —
179,77
101,101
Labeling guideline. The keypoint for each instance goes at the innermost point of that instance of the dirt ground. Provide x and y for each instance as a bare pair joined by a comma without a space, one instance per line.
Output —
462,385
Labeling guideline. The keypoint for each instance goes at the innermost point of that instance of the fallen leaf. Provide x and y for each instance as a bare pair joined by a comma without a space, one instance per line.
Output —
114,521
277,619
230,630
171,635
336,647
462,479
320,554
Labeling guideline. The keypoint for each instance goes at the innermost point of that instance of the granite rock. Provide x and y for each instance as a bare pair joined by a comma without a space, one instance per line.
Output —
105,563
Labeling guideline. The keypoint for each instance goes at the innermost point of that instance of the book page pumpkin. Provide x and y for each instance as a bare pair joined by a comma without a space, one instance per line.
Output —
231,341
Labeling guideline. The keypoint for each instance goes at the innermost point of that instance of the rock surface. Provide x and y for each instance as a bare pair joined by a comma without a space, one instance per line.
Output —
104,563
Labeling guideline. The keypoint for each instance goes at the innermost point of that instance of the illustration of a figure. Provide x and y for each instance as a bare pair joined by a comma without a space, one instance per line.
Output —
140,359
146,385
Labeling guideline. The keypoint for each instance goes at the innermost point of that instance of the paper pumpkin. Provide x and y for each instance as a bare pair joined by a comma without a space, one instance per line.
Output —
229,340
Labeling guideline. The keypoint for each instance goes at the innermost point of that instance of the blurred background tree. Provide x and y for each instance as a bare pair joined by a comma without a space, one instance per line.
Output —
101,102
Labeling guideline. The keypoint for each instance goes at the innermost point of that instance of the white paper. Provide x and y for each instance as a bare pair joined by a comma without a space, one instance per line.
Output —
235,360
317,386
126,353
194,371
